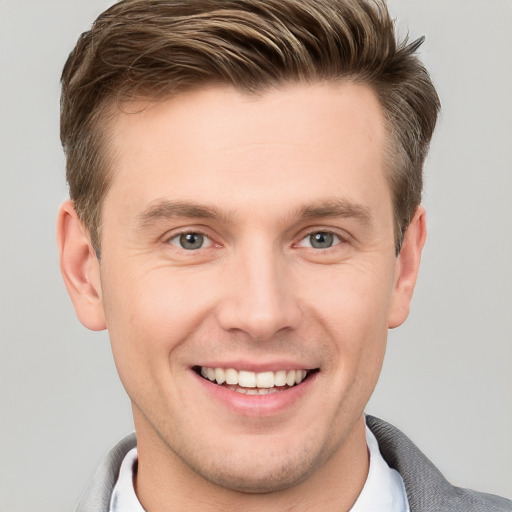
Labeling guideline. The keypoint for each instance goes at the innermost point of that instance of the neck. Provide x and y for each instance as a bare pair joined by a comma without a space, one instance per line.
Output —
165,483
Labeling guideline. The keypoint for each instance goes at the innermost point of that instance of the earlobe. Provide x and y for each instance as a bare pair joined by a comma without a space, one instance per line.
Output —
407,267
80,268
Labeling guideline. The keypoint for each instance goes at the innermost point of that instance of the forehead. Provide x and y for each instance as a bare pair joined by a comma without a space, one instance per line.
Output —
275,115
292,143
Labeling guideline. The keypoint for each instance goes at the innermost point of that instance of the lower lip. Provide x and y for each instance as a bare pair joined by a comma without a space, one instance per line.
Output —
256,405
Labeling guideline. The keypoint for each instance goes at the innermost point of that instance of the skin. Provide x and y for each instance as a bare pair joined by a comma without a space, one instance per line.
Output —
267,171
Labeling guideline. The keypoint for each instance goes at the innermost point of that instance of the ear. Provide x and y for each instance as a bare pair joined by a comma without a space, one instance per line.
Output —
80,268
407,267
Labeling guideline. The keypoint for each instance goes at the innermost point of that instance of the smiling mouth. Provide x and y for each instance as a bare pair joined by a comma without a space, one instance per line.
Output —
252,383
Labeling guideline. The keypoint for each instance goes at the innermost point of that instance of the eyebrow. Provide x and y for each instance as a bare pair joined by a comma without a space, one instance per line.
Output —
330,208
336,208
165,210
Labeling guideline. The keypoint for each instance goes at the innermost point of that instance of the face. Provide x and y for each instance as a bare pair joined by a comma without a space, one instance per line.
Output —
248,276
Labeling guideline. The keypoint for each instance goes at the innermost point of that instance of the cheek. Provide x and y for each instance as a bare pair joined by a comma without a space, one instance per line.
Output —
354,300
353,309
147,316
152,313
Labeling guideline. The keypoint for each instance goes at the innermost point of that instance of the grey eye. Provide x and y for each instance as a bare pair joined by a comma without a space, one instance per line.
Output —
321,240
190,241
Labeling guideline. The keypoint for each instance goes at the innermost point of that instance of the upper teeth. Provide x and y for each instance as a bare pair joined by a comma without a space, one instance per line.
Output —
253,380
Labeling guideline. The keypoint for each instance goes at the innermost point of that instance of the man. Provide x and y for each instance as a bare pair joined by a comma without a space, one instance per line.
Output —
245,220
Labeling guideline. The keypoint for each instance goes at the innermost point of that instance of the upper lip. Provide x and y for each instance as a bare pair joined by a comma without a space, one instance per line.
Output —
257,367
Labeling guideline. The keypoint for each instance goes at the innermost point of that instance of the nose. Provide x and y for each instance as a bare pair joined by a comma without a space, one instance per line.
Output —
259,297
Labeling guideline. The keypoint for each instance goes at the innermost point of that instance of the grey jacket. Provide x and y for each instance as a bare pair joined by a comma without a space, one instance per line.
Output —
427,489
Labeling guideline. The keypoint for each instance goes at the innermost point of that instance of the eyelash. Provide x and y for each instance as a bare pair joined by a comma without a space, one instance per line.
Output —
178,236
340,239
205,237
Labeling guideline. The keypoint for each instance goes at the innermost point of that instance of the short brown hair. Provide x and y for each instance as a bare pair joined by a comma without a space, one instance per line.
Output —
162,47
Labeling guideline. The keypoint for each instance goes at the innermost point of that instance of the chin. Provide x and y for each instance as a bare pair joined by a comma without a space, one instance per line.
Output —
262,473
263,482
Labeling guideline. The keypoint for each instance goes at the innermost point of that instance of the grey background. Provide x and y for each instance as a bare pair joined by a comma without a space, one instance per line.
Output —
447,380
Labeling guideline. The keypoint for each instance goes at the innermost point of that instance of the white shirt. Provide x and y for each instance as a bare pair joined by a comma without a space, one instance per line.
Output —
124,498
383,491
